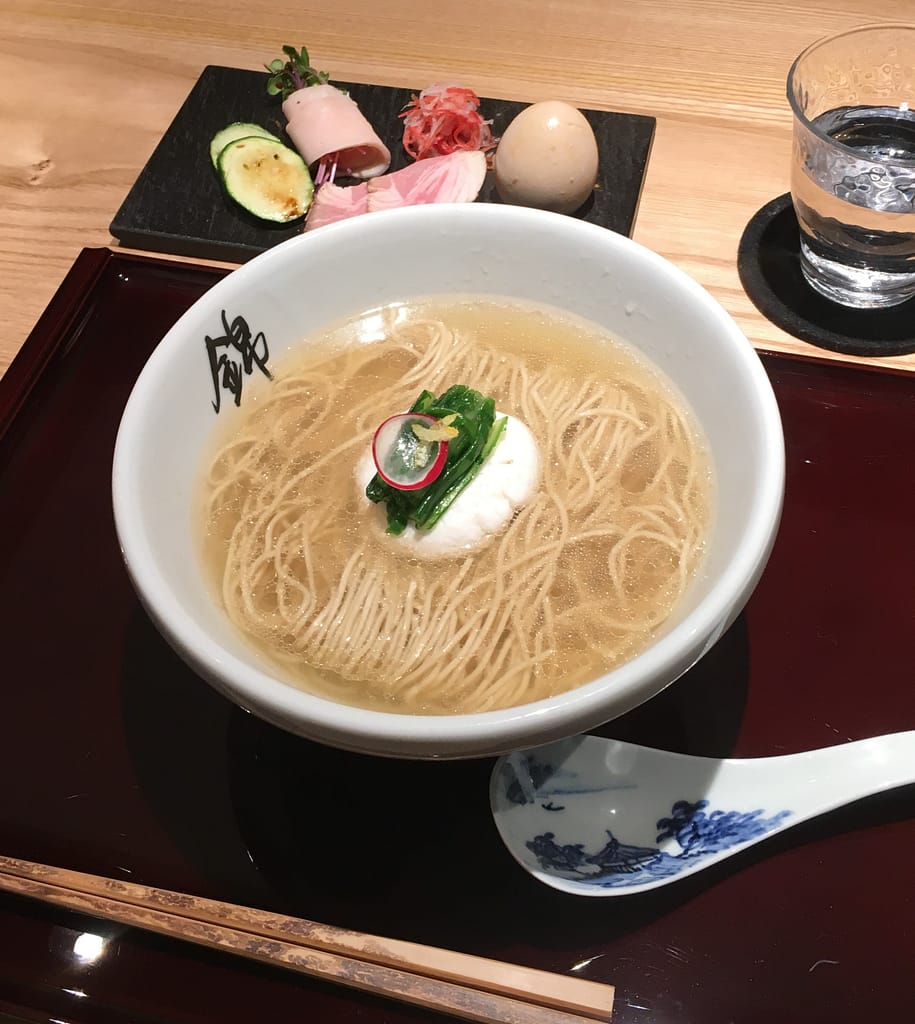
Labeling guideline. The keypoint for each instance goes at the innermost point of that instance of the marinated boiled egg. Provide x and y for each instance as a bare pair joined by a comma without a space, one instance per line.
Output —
547,158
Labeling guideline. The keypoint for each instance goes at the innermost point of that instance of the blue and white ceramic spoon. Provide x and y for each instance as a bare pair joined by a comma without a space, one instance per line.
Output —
599,817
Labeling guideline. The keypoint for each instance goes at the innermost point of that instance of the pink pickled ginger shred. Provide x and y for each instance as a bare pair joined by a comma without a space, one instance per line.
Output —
445,119
455,178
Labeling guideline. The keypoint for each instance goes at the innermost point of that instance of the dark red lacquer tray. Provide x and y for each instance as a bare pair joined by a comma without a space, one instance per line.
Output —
115,759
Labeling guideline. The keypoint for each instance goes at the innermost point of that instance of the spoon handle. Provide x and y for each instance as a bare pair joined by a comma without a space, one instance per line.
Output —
820,780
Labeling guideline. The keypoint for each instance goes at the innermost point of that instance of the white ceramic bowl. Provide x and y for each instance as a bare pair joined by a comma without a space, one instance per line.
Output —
369,261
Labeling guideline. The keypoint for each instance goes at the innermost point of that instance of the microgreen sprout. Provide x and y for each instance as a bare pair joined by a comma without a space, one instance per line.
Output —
287,76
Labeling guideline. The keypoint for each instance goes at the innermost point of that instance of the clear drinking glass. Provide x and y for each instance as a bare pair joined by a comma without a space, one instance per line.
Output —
853,166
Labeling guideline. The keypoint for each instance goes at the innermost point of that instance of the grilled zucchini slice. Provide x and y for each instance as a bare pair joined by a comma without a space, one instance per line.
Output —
236,130
267,178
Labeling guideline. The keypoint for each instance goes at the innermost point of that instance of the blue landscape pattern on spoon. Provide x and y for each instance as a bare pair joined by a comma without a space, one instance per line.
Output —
699,832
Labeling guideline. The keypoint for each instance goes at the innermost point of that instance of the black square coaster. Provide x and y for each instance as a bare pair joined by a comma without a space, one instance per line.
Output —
769,263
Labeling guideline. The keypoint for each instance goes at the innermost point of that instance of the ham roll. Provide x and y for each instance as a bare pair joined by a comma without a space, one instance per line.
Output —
325,122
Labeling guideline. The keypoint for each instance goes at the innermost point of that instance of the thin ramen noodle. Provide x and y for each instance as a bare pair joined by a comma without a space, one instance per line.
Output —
579,581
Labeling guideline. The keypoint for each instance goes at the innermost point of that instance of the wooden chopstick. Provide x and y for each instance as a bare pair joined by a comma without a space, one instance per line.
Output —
470,987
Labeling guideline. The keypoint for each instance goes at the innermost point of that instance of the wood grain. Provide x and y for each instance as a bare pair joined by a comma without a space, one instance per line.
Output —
87,89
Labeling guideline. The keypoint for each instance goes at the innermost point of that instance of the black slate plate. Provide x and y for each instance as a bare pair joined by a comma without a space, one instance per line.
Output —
177,204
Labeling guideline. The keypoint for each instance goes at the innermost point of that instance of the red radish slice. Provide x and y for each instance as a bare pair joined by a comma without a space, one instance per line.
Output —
401,458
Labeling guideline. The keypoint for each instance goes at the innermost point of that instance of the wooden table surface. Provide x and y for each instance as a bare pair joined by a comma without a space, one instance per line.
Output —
87,90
